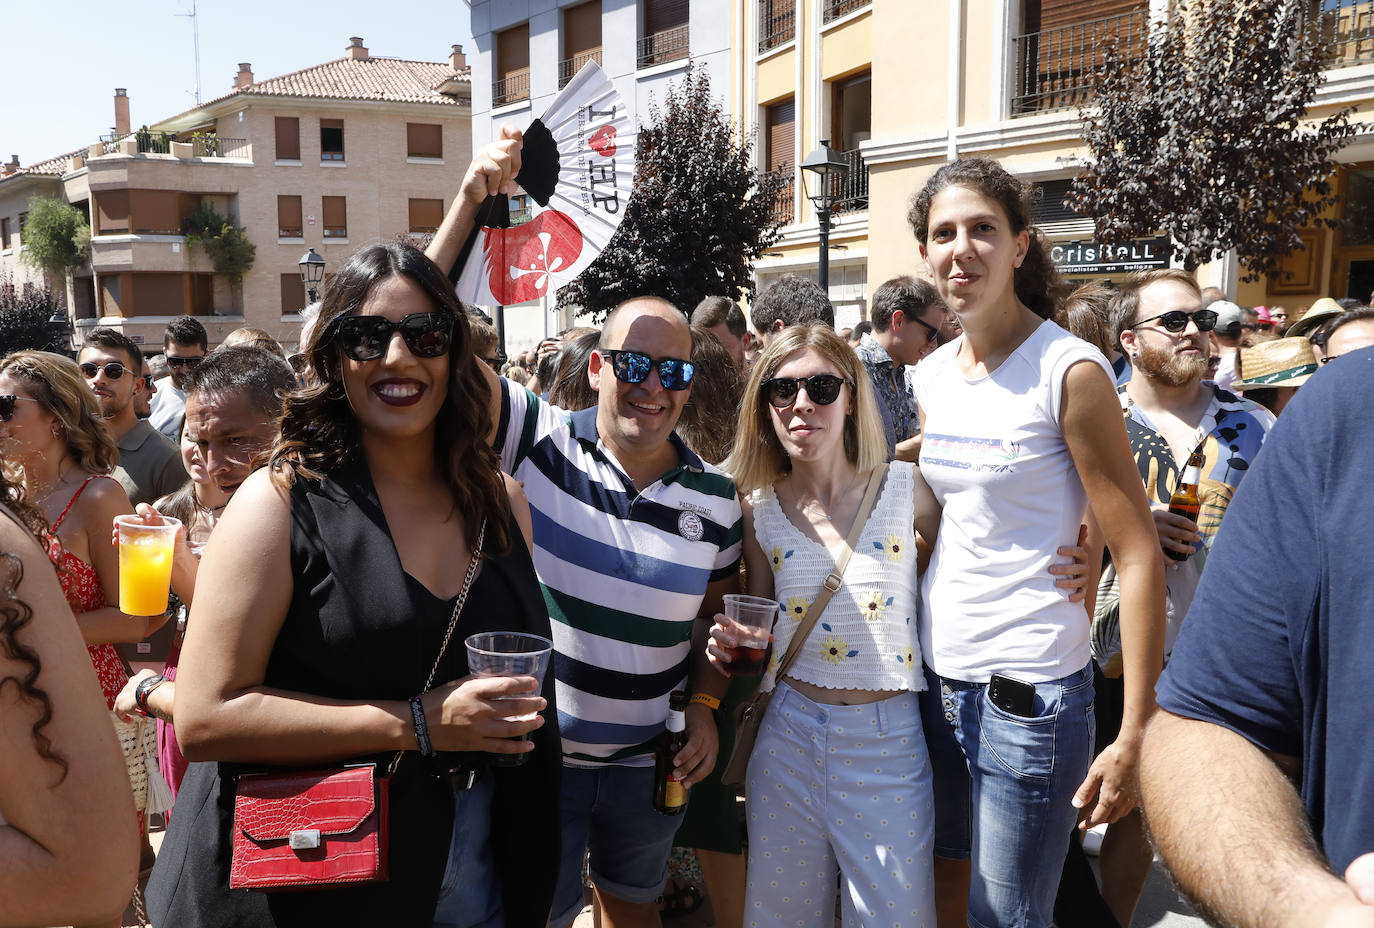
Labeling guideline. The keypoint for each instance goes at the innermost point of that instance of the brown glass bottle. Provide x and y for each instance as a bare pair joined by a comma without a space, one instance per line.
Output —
1185,501
670,796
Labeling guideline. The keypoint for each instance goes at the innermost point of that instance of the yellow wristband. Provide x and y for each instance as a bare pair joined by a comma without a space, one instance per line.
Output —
707,700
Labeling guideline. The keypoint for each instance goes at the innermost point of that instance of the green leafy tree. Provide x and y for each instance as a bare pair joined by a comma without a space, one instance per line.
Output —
56,236
1206,135
226,244
24,314
700,214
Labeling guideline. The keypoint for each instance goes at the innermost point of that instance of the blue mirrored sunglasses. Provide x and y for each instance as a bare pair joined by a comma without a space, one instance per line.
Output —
634,367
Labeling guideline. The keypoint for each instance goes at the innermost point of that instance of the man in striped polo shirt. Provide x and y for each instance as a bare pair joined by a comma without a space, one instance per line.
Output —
635,541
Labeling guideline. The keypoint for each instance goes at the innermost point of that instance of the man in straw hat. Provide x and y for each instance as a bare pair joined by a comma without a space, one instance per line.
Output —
1158,321
1317,315
1255,776
1272,371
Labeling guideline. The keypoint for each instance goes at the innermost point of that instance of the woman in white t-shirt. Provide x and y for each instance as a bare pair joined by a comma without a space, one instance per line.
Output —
1022,431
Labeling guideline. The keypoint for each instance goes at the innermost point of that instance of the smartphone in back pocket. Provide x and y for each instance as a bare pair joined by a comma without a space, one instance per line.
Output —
1014,696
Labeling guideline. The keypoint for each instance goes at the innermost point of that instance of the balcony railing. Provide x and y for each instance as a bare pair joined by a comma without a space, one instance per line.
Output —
834,9
783,200
777,23
215,146
1345,29
512,88
1054,68
568,67
160,143
850,190
663,47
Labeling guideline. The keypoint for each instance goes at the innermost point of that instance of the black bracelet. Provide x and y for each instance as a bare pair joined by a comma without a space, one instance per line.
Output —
141,691
417,713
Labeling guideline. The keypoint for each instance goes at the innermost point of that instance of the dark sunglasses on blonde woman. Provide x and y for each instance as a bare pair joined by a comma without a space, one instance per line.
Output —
822,389
7,402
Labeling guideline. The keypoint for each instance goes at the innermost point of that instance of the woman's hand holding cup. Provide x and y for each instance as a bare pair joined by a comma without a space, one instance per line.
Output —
481,713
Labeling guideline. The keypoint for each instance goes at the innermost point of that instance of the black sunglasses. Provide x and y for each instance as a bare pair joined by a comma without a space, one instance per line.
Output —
7,401
933,330
634,367
113,370
365,338
823,389
496,362
174,361
1177,320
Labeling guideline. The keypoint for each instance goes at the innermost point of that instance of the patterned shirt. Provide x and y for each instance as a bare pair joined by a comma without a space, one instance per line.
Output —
1229,436
896,404
623,572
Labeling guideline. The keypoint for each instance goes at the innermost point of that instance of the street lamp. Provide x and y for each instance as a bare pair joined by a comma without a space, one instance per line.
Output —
830,170
312,272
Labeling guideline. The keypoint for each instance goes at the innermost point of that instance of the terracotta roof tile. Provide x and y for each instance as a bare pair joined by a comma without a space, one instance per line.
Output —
56,166
391,80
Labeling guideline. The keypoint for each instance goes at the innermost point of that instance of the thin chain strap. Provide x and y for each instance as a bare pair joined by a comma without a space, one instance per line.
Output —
473,564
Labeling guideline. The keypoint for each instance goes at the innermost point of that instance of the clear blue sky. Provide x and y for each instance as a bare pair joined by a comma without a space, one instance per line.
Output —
62,61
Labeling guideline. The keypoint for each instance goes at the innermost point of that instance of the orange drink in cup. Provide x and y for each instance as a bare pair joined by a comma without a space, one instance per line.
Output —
145,564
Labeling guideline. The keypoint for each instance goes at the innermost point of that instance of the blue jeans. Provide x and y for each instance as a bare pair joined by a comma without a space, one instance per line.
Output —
1003,790
470,896
608,813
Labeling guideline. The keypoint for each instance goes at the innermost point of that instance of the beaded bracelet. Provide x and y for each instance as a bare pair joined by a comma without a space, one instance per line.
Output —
417,713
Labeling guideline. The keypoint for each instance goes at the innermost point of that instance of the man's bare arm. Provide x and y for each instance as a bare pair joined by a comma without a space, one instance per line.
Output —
492,171
1233,832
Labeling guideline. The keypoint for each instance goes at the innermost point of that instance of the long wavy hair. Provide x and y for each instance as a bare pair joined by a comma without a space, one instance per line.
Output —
57,384
757,458
319,429
15,615
1037,283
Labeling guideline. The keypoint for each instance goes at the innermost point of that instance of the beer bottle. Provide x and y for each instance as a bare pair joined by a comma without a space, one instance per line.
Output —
1185,501
670,796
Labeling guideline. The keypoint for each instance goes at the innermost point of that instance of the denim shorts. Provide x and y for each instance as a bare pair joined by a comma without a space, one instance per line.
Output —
1003,790
608,813
470,896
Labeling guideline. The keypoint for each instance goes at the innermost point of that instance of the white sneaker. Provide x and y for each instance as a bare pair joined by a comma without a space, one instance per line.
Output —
1092,840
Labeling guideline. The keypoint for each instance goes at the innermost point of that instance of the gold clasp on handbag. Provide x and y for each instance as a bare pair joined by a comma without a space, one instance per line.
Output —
833,583
306,839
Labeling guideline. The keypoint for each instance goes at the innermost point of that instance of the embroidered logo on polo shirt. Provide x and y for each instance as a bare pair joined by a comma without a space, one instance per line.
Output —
689,526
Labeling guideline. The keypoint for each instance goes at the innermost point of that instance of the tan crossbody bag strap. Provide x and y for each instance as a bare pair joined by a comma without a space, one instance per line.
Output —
836,578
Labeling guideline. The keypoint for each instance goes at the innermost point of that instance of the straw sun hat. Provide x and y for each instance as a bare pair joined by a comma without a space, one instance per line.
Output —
1278,362
1318,313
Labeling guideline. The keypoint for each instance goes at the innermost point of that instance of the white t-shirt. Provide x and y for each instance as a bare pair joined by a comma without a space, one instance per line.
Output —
996,459
168,409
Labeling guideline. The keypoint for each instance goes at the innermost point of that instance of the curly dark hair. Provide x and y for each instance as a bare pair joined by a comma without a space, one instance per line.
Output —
319,430
15,615
1037,282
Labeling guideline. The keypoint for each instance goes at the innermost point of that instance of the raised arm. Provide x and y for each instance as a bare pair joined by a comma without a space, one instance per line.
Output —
492,171
1090,418
68,848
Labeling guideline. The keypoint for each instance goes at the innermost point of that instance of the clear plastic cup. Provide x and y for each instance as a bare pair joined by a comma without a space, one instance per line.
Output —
145,564
509,654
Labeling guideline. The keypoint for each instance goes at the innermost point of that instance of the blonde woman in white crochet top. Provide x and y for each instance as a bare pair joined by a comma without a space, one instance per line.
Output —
839,778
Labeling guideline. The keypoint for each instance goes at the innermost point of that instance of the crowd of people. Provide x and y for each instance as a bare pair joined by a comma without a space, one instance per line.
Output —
961,509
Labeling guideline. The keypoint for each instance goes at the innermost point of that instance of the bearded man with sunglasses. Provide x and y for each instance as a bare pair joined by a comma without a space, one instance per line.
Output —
1171,411
149,465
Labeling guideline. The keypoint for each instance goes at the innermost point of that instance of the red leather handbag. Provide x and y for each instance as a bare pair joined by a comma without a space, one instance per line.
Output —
312,828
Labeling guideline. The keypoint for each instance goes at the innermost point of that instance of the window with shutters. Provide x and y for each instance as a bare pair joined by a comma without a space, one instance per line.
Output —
335,215
292,294
289,223
581,39
5,233
424,140
666,30
779,122
512,83
425,215
1063,42
111,212
851,122
23,221
331,140
289,138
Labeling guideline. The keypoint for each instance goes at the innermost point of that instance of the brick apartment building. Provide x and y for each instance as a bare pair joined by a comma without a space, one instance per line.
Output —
329,158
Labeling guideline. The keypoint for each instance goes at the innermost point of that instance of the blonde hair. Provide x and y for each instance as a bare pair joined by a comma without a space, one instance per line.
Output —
57,384
758,459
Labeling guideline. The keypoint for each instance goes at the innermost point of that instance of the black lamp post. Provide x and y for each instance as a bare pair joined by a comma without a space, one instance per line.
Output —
312,272
830,170
60,328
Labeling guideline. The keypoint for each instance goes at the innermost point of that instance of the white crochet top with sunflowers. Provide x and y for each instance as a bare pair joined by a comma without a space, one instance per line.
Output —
866,637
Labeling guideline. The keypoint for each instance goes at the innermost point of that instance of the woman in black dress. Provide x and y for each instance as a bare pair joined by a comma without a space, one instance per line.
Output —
322,603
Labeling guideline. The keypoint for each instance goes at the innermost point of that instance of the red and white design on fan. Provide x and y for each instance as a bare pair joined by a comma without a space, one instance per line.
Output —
602,141
520,261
